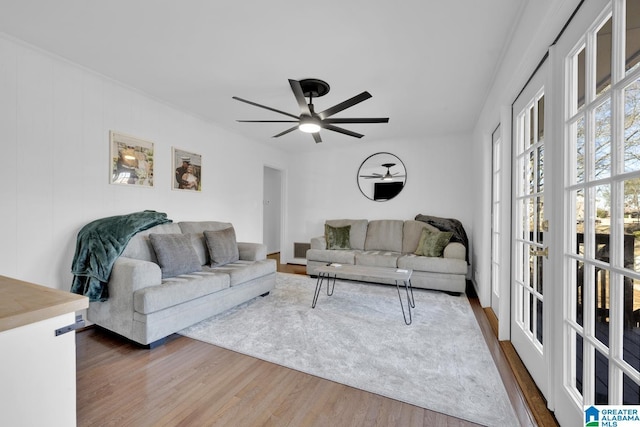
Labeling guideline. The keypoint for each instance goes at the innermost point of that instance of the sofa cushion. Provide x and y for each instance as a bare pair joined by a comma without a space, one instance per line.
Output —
358,232
139,246
432,243
179,289
378,258
433,264
411,232
175,254
223,247
384,235
329,256
337,237
240,272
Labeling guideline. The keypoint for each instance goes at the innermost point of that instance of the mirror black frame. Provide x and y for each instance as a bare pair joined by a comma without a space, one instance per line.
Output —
373,169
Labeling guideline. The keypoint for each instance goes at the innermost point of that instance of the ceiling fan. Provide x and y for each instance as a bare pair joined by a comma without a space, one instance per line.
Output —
311,122
384,177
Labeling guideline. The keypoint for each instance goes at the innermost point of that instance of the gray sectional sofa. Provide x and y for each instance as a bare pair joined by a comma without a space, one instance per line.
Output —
147,299
392,243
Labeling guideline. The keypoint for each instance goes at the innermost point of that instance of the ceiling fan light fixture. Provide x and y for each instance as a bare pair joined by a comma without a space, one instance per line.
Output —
309,125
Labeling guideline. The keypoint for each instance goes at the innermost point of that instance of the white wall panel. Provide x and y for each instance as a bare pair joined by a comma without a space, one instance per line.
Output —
9,165
54,130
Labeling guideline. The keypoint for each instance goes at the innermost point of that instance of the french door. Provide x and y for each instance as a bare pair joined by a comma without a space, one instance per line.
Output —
497,181
529,246
599,57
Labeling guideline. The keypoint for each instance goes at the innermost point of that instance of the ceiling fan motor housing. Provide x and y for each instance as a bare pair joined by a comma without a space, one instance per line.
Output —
314,88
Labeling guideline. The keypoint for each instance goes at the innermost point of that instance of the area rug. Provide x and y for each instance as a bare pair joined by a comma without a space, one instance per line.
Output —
358,337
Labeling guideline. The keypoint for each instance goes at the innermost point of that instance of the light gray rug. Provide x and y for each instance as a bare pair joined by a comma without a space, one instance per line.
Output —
358,337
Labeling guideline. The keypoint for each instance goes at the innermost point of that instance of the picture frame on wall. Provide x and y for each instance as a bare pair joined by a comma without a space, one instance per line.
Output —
187,170
131,160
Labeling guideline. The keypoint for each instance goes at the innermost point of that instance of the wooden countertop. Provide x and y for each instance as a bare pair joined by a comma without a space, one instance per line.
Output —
22,303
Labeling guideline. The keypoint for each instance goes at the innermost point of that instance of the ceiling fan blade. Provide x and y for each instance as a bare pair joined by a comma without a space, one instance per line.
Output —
264,106
316,137
285,132
299,94
341,130
360,120
267,121
344,105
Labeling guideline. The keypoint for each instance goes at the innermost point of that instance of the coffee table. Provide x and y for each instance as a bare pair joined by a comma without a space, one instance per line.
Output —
333,271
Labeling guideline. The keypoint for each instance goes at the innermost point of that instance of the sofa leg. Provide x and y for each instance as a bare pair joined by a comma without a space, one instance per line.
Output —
453,294
155,344
265,294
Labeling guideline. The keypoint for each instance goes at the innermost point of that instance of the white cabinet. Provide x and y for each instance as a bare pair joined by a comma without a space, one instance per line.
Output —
37,368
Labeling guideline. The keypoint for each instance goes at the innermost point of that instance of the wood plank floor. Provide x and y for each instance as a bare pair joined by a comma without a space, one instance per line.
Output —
189,383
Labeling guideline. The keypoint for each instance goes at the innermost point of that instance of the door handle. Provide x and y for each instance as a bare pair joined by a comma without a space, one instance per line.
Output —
541,252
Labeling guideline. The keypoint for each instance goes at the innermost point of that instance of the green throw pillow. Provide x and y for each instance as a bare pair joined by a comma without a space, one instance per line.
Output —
432,243
337,237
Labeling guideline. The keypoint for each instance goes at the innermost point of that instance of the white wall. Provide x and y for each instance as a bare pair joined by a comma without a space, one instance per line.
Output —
323,184
55,119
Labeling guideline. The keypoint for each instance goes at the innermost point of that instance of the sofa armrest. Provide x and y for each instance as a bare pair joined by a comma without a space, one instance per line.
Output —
252,251
129,275
455,250
318,242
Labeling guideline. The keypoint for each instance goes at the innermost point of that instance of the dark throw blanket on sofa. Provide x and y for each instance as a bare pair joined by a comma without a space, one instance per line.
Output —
448,224
99,244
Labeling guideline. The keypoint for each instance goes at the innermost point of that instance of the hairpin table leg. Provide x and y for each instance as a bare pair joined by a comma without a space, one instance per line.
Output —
410,300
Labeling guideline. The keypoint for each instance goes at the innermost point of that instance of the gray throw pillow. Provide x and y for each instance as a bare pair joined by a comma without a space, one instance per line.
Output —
432,243
175,254
337,237
223,248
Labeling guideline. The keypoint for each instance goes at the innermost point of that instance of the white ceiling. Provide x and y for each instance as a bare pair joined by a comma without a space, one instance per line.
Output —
428,65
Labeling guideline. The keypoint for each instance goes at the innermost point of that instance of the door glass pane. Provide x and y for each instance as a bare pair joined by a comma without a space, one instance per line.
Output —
580,71
580,150
539,331
632,39
532,127
602,379
632,210
578,359
631,322
602,294
538,275
541,118
632,127
540,219
531,173
630,391
602,154
540,169
603,58
603,221
579,293
579,226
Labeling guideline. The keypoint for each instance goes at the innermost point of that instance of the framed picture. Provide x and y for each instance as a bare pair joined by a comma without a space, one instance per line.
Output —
131,160
187,170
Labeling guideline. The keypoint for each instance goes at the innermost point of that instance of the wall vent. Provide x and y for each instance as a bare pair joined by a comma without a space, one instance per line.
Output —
300,249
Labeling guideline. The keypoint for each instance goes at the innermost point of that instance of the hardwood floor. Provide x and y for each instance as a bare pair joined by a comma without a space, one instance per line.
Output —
188,382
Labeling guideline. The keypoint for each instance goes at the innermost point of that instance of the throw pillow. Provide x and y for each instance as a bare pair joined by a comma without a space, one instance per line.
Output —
175,254
337,237
432,243
223,248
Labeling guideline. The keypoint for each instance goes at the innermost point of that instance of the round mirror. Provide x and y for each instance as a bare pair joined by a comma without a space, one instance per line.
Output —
381,177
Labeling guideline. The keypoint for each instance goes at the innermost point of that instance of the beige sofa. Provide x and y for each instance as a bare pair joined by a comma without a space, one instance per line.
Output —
145,307
393,243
